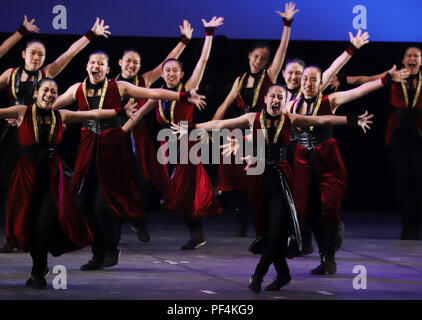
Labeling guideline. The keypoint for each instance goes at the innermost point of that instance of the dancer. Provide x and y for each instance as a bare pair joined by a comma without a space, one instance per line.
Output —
292,74
21,83
145,151
248,92
318,164
42,215
189,190
278,214
404,144
106,198
25,27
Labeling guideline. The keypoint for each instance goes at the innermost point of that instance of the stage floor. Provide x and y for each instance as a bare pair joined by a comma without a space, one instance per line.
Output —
220,270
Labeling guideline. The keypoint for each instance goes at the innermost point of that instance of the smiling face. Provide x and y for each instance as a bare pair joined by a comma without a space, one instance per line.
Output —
46,95
311,82
130,64
258,59
172,73
34,56
412,60
97,67
275,99
292,75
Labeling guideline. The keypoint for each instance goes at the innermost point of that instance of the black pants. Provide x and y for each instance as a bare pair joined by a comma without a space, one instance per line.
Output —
46,232
274,219
405,151
105,226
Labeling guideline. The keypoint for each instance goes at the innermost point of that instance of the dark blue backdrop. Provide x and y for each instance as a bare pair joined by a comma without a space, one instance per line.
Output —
387,20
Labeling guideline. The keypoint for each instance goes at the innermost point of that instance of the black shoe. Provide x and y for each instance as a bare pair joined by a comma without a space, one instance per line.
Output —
93,264
279,282
193,244
36,282
328,266
111,258
142,233
7,248
255,284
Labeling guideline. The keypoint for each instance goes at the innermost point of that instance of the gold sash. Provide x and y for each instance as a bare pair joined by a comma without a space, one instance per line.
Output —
35,123
173,104
257,89
103,93
264,128
318,104
418,90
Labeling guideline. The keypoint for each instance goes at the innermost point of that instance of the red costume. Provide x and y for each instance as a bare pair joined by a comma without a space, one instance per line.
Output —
317,153
118,189
20,200
189,189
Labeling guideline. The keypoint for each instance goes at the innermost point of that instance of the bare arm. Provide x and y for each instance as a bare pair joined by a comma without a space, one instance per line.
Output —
363,121
244,121
14,38
129,90
275,68
66,98
358,80
78,116
358,41
14,112
54,68
198,73
4,78
342,97
151,76
222,109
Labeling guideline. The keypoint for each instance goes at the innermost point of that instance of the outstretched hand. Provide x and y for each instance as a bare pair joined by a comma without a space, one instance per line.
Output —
360,39
196,99
100,29
231,147
289,11
364,120
398,75
179,129
186,30
29,25
213,23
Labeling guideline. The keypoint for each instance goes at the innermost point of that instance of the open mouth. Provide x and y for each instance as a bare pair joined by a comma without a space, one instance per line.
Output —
412,65
275,108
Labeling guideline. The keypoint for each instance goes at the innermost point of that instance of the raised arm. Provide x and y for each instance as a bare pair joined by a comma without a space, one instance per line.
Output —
342,97
66,98
222,109
27,26
197,74
151,76
54,68
78,116
357,42
275,68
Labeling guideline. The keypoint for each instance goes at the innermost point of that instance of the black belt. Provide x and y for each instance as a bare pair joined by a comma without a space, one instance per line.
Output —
99,126
38,151
275,154
408,112
310,140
